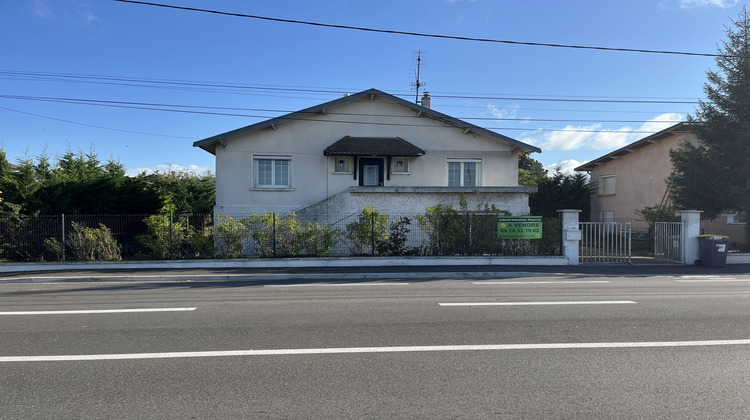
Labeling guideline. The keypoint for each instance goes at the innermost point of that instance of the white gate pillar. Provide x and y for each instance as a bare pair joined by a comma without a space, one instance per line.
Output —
691,228
571,235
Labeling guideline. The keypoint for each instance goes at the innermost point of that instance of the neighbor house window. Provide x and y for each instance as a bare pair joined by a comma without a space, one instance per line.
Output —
400,166
607,185
736,219
464,173
342,165
273,171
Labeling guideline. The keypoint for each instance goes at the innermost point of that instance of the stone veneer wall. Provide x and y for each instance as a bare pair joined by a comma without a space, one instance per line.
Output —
412,200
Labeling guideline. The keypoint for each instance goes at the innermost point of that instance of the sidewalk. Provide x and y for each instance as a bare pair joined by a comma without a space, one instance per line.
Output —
331,269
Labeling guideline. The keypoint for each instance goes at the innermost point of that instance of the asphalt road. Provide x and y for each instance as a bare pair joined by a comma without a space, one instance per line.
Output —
513,347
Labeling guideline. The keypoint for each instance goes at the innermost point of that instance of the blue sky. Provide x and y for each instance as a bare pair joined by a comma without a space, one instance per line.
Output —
121,54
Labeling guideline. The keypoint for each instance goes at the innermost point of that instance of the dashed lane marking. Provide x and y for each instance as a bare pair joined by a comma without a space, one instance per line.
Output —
581,302
98,311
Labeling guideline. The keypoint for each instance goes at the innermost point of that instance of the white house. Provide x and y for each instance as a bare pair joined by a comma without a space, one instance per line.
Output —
365,149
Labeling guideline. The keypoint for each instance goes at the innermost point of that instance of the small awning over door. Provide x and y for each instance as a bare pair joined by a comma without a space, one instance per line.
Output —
387,147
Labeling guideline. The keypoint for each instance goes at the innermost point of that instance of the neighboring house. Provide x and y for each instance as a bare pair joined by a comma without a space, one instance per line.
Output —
365,149
634,177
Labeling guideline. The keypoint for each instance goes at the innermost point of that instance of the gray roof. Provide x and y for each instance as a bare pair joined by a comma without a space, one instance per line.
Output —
209,144
373,146
632,147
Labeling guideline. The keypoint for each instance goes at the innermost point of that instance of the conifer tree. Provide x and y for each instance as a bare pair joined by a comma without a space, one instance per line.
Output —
714,174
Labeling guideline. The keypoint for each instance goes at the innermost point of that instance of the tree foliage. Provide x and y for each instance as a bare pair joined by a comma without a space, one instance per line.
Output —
80,183
530,171
188,192
562,191
713,175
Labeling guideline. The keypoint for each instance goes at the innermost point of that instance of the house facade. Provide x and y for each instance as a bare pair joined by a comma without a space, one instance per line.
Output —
634,176
365,149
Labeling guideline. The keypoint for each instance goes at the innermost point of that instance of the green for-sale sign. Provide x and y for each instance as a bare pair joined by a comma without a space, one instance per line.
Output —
519,227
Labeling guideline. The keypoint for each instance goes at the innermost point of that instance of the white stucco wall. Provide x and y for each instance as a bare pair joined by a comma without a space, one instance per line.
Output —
312,174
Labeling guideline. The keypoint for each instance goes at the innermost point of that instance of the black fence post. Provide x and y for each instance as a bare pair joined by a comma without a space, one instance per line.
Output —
63,236
372,231
273,215
560,231
171,236
468,234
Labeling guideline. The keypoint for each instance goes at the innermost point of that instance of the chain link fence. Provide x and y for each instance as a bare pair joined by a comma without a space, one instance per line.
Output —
263,235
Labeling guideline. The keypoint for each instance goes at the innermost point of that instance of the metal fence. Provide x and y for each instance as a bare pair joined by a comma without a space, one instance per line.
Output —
605,242
668,241
265,235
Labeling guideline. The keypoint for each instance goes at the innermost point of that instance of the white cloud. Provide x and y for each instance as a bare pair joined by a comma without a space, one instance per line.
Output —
693,4
594,137
689,4
502,113
75,11
566,166
42,9
612,139
570,138
169,167
660,122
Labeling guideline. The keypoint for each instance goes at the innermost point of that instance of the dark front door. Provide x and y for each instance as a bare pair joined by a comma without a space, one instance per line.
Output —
371,172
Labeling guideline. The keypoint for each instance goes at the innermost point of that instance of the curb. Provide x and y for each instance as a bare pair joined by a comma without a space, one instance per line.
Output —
274,277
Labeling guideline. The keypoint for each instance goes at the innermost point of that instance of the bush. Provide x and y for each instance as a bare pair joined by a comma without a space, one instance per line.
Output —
445,229
371,227
395,244
317,240
199,243
53,250
162,239
91,244
231,236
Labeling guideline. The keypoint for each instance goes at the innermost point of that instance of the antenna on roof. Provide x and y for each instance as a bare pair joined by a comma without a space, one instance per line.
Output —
418,84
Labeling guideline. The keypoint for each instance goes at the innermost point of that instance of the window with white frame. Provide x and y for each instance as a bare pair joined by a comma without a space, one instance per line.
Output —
272,172
400,166
464,172
342,165
607,185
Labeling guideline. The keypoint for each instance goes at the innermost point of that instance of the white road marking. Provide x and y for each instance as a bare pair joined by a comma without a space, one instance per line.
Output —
334,284
98,311
359,350
581,302
543,282
712,280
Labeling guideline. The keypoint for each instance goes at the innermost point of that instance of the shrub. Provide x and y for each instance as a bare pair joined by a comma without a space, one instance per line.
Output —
231,236
317,240
53,249
445,229
371,227
199,243
92,244
274,236
395,244
162,241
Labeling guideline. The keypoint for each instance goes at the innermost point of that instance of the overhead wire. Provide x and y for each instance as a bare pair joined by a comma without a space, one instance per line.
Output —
95,126
295,115
547,98
419,34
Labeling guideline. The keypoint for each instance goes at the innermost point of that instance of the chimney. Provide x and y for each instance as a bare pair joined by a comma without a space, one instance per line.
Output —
426,100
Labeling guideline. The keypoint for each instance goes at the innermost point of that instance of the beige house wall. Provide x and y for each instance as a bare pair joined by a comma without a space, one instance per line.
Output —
640,181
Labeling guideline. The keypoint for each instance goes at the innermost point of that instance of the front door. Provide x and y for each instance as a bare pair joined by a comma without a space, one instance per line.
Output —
370,172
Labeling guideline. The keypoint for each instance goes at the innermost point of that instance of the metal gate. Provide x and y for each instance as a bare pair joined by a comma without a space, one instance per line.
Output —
668,241
605,242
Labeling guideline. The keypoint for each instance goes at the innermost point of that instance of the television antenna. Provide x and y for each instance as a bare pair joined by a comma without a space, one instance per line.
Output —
418,84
